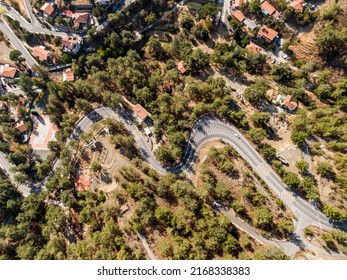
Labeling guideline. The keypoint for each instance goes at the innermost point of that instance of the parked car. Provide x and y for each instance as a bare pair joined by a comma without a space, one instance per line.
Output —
285,56
283,160
273,61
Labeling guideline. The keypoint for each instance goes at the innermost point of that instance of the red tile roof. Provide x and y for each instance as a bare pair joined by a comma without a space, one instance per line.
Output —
69,43
239,16
268,33
41,53
82,182
238,3
290,103
266,6
298,5
253,47
48,9
8,71
140,112
181,67
81,17
21,126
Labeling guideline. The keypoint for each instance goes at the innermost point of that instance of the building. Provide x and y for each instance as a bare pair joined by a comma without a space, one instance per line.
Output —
298,5
20,104
68,75
181,67
70,45
254,47
239,16
7,71
140,112
40,53
21,127
148,131
268,34
81,20
82,182
250,24
290,103
237,4
48,10
3,105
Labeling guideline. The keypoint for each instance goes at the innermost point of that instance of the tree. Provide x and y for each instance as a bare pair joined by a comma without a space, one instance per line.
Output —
334,213
198,60
270,253
323,91
15,55
187,22
282,73
268,152
96,167
291,180
325,169
257,135
262,217
298,137
256,93
285,227
65,58
330,40
302,165
260,119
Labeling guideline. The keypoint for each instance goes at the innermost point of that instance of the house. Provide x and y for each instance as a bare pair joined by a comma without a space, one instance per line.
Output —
70,45
82,182
40,53
181,67
68,75
254,47
21,127
140,112
298,5
237,4
7,71
68,13
290,103
239,16
268,34
3,105
81,20
48,10
250,24
268,9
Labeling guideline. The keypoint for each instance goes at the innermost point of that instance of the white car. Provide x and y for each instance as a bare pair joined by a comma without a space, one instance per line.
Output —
285,56
237,136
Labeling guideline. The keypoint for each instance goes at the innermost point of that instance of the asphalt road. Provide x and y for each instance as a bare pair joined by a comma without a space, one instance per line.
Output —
16,43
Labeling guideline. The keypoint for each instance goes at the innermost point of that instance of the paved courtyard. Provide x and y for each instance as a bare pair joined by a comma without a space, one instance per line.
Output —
43,132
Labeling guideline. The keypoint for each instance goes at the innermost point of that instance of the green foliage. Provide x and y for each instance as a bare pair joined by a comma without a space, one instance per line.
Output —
187,22
302,165
257,135
291,180
260,119
263,217
334,213
256,93
268,152
15,55
208,10
285,227
330,12
331,40
270,253
282,73
325,169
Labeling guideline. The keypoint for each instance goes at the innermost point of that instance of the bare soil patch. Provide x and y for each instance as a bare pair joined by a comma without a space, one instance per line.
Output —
4,53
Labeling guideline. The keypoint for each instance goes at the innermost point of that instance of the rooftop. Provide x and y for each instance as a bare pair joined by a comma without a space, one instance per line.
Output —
40,52
8,71
140,112
268,8
290,102
239,16
68,75
47,8
253,47
181,67
21,126
268,33
298,5
82,182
